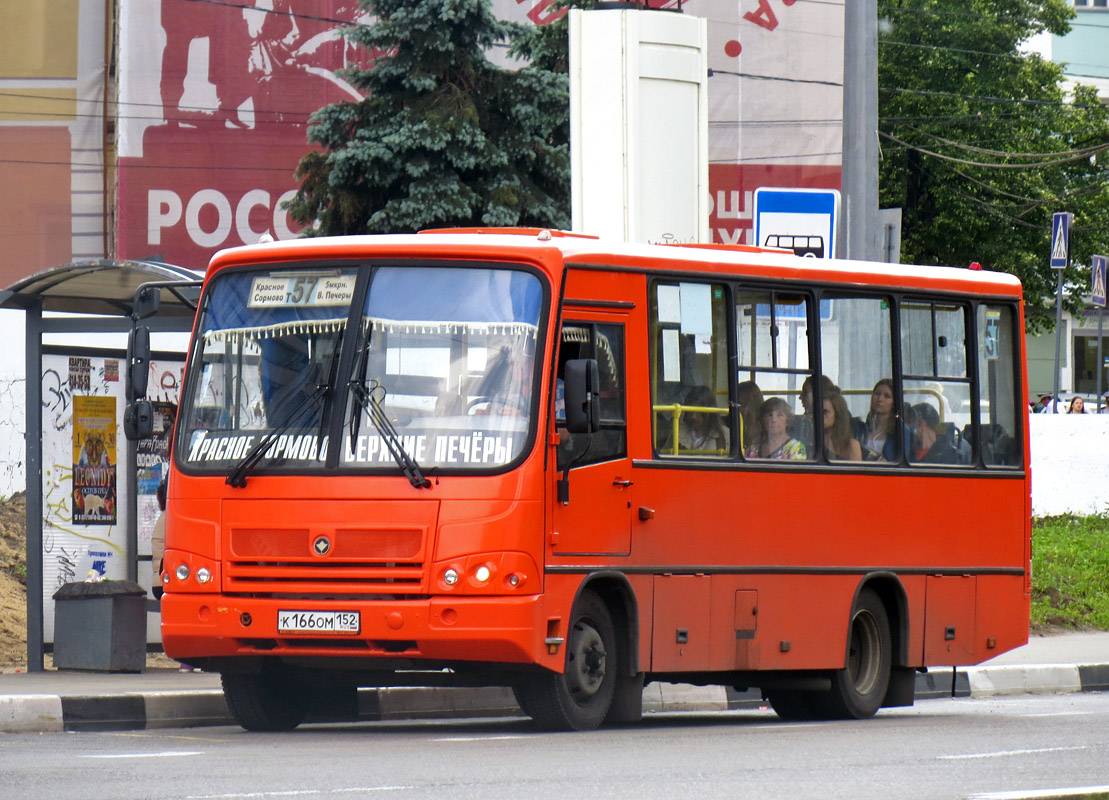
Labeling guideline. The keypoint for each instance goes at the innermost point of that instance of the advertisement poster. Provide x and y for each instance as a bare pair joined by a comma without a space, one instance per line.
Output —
152,464
94,460
84,491
215,100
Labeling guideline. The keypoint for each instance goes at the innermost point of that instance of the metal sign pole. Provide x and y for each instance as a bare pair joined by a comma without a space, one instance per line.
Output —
1060,258
1097,293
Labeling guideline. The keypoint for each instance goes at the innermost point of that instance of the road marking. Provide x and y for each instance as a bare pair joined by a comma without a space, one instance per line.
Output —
1060,714
479,738
300,792
1076,791
1002,753
167,754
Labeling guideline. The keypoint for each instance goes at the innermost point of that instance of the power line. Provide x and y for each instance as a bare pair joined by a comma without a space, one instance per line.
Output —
1084,151
989,165
276,13
714,72
984,98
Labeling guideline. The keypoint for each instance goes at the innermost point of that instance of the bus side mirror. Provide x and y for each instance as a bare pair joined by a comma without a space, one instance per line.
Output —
583,399
138,361
138,420
146,302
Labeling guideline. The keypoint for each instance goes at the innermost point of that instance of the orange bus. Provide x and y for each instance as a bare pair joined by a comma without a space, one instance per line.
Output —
539,460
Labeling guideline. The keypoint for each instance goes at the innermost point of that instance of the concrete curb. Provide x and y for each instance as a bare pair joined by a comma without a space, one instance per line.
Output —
32,713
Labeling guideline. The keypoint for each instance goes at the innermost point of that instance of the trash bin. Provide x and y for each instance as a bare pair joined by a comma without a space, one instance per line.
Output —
100,626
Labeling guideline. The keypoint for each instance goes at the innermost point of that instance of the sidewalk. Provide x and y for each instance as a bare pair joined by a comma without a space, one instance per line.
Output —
166,698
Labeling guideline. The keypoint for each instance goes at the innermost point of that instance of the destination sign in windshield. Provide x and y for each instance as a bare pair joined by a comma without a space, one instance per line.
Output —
308,290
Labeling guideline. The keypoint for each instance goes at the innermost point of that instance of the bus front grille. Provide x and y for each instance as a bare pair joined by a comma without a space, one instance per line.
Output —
322,577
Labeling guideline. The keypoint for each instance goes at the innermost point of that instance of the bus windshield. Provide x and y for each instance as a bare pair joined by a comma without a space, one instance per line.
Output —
438,370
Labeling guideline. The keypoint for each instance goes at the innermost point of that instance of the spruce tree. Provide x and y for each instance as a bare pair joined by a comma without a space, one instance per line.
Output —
443,137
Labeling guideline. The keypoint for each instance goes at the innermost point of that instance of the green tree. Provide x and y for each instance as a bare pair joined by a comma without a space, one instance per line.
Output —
980,142
443,136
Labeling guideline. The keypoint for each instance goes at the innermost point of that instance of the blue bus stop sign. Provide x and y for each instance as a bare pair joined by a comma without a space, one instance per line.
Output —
801,220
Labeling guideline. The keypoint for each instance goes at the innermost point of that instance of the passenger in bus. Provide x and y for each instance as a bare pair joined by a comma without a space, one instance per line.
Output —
1077,405
882,424
749,396
931,447
701,430
839,444
802,426
775,415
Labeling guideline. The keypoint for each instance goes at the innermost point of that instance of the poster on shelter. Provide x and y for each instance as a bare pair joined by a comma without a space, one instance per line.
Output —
152,465
94,460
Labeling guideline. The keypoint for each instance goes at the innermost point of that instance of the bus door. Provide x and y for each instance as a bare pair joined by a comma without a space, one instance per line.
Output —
596,519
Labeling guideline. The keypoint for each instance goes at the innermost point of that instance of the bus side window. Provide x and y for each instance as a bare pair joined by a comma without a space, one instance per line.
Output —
690,401
604,342
997,387
856,355
772,334
936,381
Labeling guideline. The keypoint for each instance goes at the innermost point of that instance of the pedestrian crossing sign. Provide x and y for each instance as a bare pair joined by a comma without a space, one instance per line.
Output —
1097,281
1060,239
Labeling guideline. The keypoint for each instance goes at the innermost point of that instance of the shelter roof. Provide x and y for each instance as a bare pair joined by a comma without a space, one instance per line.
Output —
103,287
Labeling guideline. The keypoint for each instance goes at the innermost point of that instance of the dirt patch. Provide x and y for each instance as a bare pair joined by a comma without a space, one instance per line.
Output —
13,582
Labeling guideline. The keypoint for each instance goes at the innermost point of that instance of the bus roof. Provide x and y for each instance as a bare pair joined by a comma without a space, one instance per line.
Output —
552,247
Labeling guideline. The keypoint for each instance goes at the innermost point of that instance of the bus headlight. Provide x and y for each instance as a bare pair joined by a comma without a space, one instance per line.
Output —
182,572
450,577
203,575
482,574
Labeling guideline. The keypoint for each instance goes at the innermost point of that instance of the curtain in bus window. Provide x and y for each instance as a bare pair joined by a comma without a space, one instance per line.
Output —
773,366
998,400
855,355
689,369
449,358
268,340
936,386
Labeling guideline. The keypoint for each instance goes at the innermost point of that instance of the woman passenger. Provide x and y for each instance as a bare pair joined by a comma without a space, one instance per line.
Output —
702,430
775,415
749,396
1077,406
881,423
838,441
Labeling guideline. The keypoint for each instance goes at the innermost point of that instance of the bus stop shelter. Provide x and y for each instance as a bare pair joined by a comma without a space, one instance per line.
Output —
94,297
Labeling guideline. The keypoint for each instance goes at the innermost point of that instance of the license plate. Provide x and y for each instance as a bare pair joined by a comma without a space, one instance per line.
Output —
318,622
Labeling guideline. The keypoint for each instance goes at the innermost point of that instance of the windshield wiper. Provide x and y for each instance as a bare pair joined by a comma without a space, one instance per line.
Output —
237,476
369,400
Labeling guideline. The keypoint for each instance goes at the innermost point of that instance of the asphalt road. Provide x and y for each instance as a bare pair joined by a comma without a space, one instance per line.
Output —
952,748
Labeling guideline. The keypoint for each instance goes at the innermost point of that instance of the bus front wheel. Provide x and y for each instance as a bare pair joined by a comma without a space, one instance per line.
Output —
271,700
580,697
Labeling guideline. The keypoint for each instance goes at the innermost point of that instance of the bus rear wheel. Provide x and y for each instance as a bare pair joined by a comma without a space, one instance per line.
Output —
271,700
859,689
579,698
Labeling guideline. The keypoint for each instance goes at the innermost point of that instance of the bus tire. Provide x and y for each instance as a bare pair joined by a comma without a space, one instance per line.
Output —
579,698
859,689
267,701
